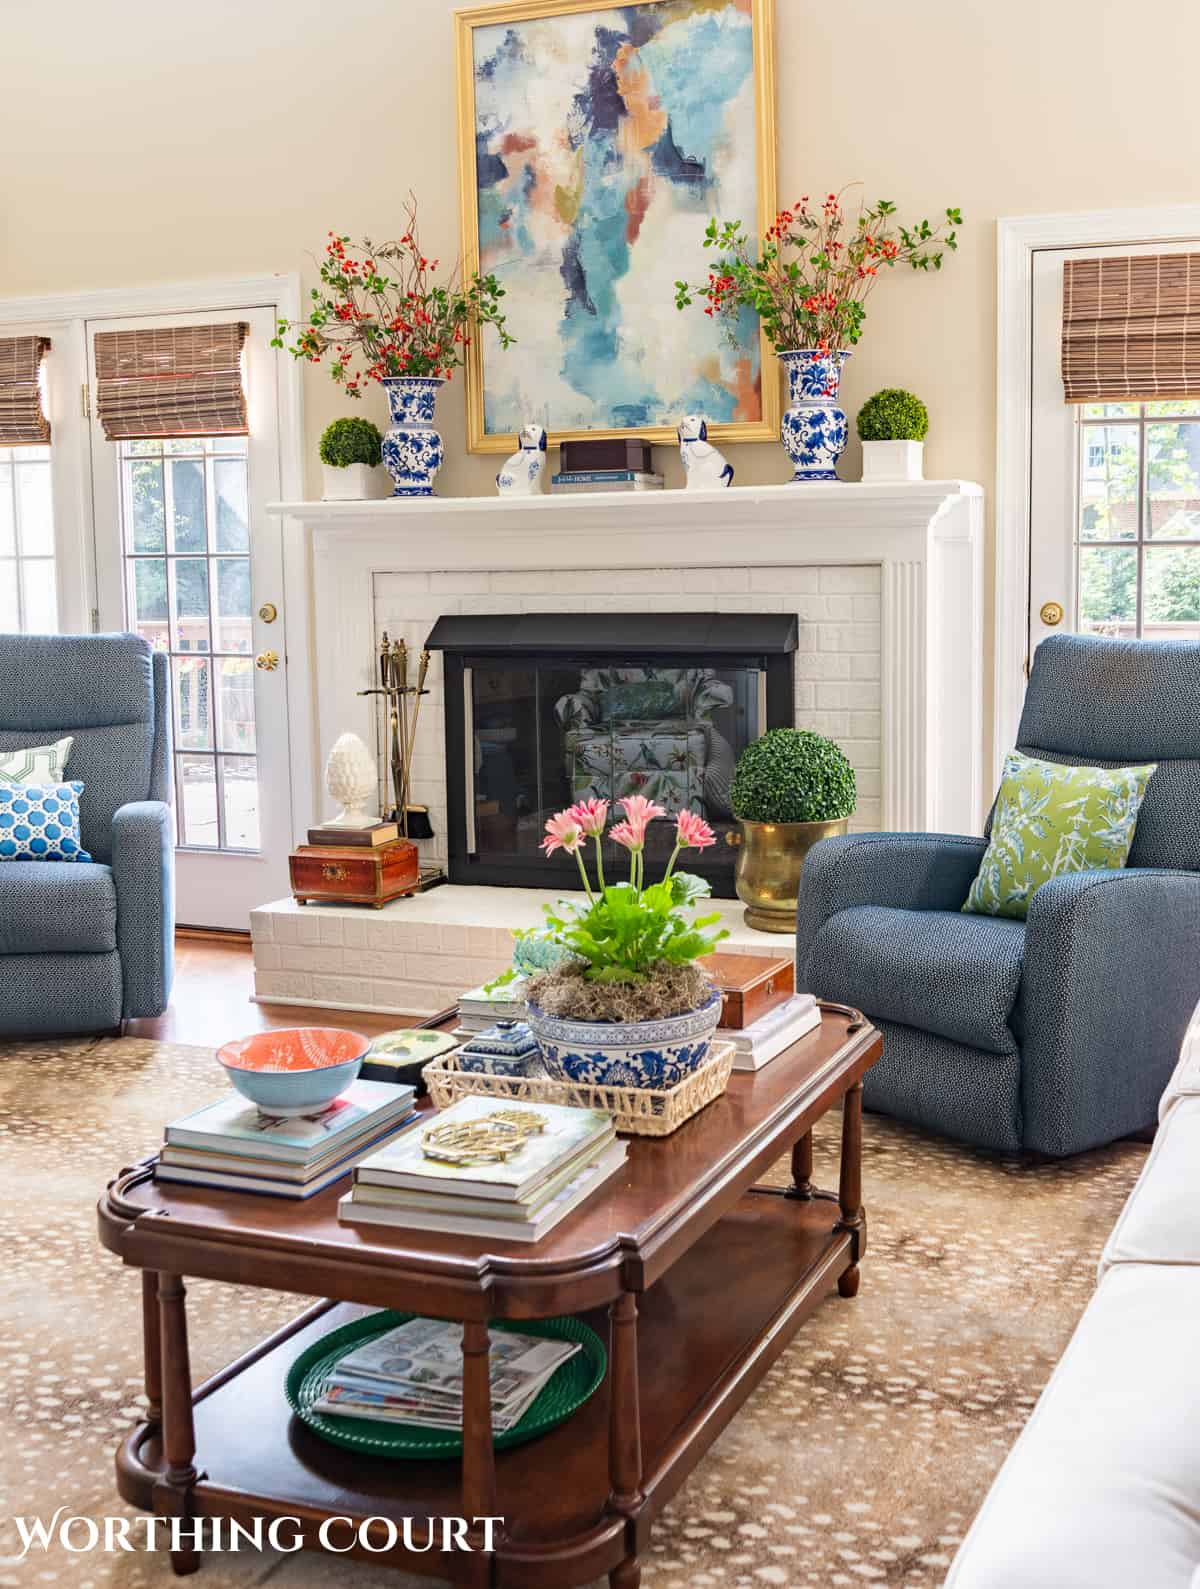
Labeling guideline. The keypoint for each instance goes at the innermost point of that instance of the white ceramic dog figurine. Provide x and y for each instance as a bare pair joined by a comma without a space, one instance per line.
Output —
524,474
705,467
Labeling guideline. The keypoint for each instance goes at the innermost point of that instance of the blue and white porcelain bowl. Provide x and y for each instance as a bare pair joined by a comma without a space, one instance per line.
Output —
655,1054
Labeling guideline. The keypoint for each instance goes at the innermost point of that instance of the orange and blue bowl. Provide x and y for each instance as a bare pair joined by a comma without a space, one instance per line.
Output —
298,1070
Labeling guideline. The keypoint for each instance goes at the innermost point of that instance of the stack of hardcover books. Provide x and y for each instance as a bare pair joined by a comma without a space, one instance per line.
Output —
761,1014
565,1155
479,1008
765,1039
231,1144
413,1374
606,480
369,837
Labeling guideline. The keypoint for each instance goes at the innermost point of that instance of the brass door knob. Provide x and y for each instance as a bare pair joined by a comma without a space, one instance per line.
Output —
268,661
268,612
1051,613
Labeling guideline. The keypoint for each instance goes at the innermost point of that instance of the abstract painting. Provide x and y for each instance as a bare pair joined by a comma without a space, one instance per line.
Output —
597,140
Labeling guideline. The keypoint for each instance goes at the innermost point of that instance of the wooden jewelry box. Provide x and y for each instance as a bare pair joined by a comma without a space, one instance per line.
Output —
354,875
750,984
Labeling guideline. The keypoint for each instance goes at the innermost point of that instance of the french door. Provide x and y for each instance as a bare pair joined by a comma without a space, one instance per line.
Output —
187,556
1114,492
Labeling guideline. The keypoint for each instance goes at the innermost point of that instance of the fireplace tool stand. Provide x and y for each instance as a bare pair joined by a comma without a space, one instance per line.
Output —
402,706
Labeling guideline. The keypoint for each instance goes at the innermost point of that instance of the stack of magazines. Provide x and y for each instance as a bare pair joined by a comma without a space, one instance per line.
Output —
413,1374
482,1007
232,1144
566,1155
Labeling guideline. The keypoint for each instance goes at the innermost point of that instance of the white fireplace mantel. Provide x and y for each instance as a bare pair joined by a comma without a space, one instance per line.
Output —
924,537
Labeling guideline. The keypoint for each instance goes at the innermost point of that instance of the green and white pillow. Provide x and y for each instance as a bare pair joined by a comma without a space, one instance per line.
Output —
38,764
1051,819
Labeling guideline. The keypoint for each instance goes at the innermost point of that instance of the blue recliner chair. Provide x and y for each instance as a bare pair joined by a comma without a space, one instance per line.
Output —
85,945
1058,1033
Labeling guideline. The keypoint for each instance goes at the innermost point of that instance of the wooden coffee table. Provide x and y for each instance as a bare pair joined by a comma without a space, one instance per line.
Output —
696,1277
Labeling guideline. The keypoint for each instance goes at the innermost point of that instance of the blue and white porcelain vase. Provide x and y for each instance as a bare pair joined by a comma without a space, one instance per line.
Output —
656,1054
813,431
412,449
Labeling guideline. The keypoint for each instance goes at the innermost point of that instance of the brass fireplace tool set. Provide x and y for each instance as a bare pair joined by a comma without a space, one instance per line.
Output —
402,701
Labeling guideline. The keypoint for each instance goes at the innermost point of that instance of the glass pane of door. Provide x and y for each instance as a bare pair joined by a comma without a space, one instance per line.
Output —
28,598
187,582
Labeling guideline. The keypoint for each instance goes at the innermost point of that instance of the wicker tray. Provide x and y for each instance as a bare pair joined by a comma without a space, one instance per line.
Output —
639,1111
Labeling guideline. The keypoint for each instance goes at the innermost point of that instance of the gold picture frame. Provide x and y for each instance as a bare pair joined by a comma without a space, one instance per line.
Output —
763,428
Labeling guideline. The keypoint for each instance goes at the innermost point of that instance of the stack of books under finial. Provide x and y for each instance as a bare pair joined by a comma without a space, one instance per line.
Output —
616,464
480,1008
761,1013
484,1167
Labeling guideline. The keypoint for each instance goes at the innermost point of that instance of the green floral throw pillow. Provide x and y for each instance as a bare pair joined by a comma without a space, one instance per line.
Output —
1051,819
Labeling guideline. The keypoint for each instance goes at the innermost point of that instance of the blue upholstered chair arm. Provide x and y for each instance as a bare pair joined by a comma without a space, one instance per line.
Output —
143,868
1111,975
911,871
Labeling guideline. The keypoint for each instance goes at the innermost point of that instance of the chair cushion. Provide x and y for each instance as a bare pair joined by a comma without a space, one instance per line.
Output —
1185,1079
1100,1491
35,763
1050,819
1160,1222
940,971
57,907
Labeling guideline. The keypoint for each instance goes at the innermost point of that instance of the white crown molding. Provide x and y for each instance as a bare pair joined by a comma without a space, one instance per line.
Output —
1018,239
109,303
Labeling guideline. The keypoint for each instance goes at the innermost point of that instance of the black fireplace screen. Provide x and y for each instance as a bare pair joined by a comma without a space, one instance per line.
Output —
643,704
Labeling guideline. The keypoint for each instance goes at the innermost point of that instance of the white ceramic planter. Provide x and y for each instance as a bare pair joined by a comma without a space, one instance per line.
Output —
893,460
354,482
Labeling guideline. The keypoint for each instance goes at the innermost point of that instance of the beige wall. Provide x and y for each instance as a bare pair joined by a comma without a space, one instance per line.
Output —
144,142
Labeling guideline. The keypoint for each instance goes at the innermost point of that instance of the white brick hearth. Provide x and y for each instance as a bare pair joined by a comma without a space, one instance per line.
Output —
885,581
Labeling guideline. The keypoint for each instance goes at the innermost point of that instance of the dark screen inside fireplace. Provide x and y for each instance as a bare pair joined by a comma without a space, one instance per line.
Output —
545,710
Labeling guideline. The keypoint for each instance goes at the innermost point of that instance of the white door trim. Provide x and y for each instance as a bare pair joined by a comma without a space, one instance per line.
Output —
282,290
1018,239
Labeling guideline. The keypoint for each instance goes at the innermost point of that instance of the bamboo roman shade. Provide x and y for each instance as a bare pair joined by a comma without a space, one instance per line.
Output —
1131,328
171,381
22,422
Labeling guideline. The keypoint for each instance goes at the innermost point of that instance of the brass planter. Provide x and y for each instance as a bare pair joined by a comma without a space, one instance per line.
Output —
770,860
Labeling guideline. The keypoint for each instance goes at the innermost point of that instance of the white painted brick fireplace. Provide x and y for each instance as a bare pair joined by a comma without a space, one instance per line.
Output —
885,581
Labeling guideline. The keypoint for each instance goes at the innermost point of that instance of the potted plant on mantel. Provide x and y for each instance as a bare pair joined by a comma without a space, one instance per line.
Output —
807,279
892,427
626,1005
350,455
790,789
381,303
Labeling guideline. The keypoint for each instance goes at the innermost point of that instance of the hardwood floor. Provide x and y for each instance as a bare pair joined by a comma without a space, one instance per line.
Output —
211,999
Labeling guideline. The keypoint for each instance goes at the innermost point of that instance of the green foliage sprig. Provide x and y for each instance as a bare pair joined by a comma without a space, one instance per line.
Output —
792,775
624,931
348,441
893,415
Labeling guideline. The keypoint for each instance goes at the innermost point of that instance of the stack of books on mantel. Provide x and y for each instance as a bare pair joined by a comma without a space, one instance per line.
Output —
414,1374
606,480
482,1007
231,1144
565,1155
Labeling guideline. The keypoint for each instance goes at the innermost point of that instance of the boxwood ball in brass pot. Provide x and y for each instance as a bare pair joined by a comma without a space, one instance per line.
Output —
791,789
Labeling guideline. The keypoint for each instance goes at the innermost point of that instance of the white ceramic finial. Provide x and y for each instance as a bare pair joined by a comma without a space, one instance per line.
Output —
351,780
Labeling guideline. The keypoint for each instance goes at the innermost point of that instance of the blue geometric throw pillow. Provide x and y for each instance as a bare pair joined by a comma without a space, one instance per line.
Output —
40,822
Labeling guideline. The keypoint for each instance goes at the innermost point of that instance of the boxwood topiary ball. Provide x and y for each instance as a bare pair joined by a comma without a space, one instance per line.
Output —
792,775
893,415
348,441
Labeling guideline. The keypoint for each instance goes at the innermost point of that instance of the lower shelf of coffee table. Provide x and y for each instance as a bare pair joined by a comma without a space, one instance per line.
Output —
707,1333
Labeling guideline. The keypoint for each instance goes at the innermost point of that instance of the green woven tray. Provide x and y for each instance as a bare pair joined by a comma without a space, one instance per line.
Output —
564,1394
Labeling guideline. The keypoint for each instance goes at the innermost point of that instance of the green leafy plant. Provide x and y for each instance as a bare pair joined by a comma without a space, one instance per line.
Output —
792,775
893,415
348,441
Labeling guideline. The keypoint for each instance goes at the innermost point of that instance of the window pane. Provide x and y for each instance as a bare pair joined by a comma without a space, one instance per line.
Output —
10,613
1188,405
146,501
1110,410
196,794
41,598
193,704
8,526
191,603
239,777
1108,483
184,446
150,447
233,530
35,514
232,622
1171,602
1173,481
1108,590
187,482
235,715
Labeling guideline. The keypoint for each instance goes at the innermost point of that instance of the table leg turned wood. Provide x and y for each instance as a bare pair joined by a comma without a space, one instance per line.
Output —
479,1457
173,1489
802,1186
151,1347
625,1428
850,1187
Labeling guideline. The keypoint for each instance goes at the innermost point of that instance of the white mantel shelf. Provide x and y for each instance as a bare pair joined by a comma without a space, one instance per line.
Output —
915,547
